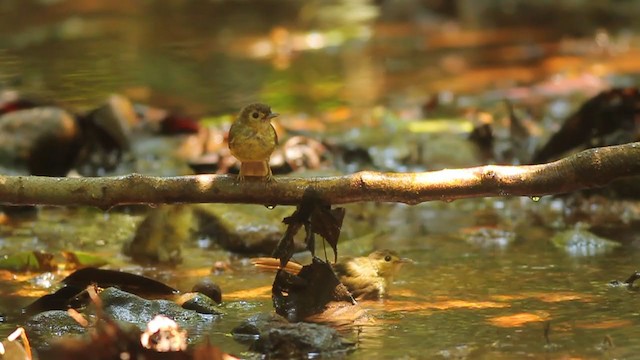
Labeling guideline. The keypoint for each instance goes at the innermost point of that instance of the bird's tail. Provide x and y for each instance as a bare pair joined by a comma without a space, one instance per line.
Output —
272,264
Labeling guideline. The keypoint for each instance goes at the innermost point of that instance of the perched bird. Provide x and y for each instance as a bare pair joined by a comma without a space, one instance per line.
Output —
252,139
366,277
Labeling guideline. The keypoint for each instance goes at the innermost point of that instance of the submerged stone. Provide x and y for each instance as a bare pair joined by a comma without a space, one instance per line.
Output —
273,336
47,327
244,228
200,303
123,306
581,242
209,288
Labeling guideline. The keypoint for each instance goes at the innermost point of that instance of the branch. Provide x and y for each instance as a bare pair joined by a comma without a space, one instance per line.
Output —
587,169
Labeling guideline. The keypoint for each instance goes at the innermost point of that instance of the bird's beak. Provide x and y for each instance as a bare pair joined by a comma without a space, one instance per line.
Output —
272,115
406,261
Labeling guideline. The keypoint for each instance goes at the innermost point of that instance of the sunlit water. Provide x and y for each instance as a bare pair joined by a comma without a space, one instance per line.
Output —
459,299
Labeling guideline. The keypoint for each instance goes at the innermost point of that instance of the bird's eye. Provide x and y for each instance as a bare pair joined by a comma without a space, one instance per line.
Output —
387,258
255,115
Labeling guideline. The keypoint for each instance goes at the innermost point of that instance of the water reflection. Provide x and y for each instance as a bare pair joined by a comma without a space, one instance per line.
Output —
216,56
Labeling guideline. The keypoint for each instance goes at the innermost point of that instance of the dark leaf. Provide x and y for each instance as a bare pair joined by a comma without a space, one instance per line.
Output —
327,223
59,300
132,283
298,296
285,248
317,217
310,239
73,295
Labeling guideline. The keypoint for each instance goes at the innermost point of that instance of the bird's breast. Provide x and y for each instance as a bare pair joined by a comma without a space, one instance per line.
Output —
249,143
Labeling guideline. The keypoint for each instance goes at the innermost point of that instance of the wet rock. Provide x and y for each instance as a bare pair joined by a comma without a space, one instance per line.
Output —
417,147
609,118
116,118
208,288
244,228
581,242
256,325
39,141
199,303
107,136
47,327
275,337
301,340
161,235
126,307
489,237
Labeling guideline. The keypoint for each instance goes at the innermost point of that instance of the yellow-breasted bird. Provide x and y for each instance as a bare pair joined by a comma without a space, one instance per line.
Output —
366,277
252,139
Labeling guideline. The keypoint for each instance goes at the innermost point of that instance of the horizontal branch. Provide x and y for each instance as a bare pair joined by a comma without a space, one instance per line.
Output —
587,169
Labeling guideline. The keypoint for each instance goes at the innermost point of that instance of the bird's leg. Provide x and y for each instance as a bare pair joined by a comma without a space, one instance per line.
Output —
269,177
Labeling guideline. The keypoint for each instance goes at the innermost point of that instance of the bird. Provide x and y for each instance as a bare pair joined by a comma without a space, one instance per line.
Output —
366,277
252,139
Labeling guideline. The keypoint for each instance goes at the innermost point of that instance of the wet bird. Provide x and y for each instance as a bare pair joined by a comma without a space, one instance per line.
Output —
252,139
366,277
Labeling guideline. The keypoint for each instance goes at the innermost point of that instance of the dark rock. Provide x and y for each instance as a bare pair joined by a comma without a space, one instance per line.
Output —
609,118
47,327
276,338
106,136
208,288
126,307
200,303
39,141
257,324
115,118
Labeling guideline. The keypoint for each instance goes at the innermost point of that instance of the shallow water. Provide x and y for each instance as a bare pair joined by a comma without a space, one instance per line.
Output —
461,299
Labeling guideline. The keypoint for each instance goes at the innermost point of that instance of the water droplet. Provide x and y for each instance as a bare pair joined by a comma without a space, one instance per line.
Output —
535,198
270,206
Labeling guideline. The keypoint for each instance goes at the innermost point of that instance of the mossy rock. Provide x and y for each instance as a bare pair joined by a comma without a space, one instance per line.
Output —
247,229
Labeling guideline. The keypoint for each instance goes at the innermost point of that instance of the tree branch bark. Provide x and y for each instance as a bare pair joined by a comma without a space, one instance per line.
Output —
587,169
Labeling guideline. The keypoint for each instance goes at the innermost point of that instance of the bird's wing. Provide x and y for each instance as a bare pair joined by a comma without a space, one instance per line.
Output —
275,134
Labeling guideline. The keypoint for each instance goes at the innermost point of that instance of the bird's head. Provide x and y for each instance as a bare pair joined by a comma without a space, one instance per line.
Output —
257,112
387,262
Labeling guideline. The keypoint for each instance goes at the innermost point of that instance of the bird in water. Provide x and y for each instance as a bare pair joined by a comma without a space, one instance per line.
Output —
252,139
366,277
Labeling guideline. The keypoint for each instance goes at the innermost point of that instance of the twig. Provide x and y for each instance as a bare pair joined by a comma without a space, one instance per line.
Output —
587,169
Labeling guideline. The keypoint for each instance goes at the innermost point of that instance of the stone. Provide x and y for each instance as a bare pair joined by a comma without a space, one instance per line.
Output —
274,337
247,229
39,141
